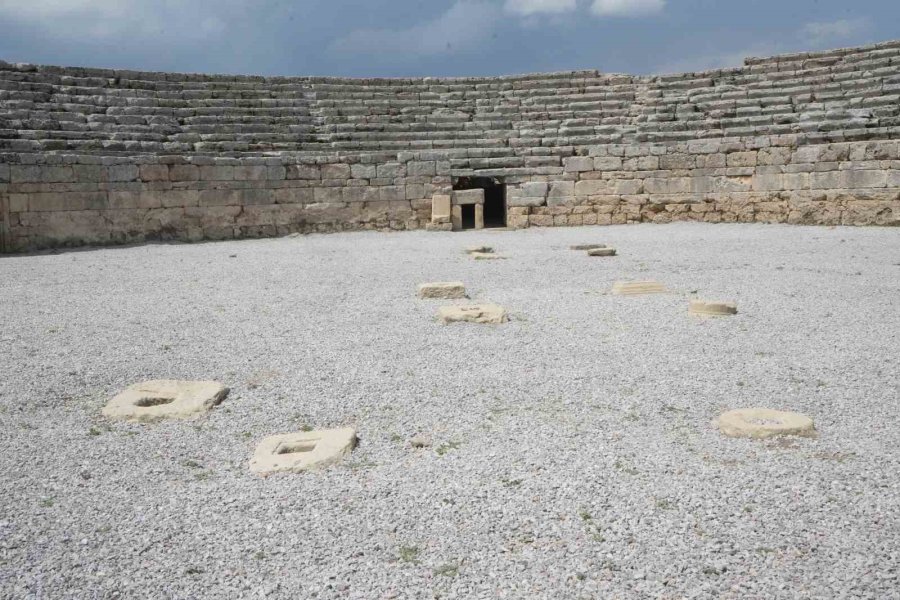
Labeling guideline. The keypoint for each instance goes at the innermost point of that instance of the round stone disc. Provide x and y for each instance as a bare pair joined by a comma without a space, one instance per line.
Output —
762,423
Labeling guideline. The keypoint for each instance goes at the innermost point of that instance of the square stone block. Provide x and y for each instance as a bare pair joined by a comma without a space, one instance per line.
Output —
637,288
157,400
447,290
302,451
440,208
473,313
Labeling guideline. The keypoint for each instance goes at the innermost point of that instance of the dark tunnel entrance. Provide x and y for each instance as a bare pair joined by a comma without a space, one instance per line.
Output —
494,199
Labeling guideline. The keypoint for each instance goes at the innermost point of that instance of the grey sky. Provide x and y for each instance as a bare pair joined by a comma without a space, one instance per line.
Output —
419,37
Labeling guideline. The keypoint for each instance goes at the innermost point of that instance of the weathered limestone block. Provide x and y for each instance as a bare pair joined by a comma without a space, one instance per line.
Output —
302,451
305,172
607,163
154,173
595,187
473,313
602,252
637,288
184,173
123,172
336,171
440,208
561,189
763,423
451,290
250,173
216,173
464,197
576,164
153,401
712,309
421,168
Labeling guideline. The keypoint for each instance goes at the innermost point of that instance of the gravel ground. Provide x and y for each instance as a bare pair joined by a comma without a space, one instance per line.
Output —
572,452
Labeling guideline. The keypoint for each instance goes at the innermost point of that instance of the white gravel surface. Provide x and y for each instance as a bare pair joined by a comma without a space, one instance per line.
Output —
571,450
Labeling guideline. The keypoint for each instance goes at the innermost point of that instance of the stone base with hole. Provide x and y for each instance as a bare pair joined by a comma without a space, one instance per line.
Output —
637,288
762,423
302,451
472,313
157,400
703,308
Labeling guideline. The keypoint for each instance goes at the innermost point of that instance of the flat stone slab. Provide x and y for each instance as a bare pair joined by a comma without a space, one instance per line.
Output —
445,290
602,252
486,256
712,309
472,313
161,399
762,423
636,288
583,247
302,451
479,250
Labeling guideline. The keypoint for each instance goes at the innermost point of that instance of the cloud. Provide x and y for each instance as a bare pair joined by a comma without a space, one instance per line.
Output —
717,60
104,20
527,8
809,35
627,8
826,32
463,28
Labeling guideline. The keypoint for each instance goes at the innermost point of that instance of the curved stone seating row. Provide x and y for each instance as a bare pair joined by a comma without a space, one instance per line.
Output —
95,110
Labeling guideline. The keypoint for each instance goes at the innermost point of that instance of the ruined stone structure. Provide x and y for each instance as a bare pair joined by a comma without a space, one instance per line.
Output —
92,156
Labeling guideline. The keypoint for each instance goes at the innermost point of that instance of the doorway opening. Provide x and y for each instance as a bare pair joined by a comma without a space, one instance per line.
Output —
494,199
468,216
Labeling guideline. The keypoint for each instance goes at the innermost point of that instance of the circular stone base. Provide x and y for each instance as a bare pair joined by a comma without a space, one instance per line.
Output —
712,309
762,423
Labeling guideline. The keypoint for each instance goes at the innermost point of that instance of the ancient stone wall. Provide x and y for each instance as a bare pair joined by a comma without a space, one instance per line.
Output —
65,200
90,156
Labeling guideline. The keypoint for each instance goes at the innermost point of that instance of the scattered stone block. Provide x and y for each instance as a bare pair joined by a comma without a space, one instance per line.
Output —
420,441
449,290
602,252
153,401
479,250
712,309
302,451
587,247
485,256
762,423
636,288
473,313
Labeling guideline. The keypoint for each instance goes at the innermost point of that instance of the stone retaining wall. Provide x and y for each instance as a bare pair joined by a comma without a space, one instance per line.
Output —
62,200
